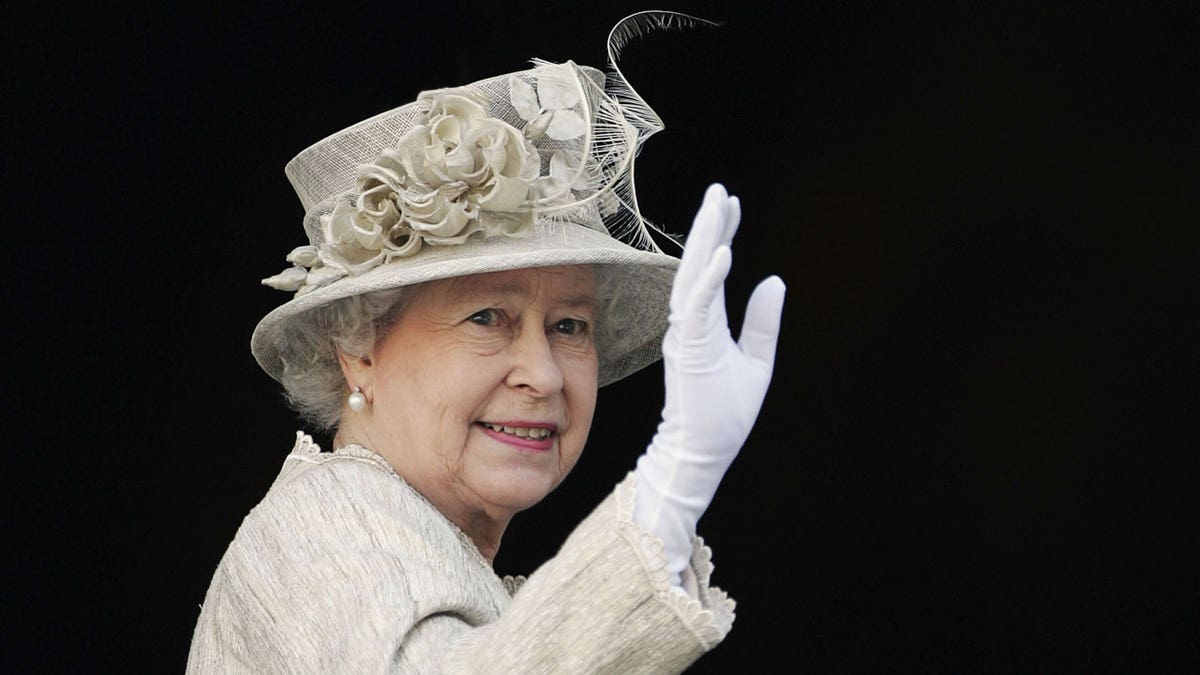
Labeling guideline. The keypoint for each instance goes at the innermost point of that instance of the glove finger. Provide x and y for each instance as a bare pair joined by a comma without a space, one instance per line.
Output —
760,329
707,229
708,224
703,306
733,218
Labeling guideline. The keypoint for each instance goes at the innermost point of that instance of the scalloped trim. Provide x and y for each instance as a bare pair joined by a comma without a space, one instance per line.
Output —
356,451
305,445
306,450
512,583
701,562
711,615
648,547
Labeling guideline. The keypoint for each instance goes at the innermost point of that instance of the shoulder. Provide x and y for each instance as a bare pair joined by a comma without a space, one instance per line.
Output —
347,499
335,518
350,503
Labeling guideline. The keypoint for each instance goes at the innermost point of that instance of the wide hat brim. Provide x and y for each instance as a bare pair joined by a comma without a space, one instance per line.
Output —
637,285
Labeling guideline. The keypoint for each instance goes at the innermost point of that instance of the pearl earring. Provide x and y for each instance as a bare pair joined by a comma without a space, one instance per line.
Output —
357,401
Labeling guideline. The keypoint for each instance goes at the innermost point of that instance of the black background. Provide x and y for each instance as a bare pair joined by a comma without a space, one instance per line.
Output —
977,453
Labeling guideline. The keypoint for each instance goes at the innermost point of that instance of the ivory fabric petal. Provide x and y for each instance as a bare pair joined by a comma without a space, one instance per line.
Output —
290,279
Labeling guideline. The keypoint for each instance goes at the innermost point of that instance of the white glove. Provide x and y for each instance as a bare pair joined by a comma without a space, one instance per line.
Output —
715,387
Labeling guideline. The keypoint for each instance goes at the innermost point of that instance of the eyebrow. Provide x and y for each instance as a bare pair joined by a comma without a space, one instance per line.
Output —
469,289
579,301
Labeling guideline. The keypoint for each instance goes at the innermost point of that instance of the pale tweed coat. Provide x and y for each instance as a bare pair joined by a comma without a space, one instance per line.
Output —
344,568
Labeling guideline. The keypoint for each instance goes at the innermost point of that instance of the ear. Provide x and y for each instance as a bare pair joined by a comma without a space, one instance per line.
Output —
358,371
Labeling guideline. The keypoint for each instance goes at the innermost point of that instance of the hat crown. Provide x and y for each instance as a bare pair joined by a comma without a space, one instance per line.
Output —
328,168
491,158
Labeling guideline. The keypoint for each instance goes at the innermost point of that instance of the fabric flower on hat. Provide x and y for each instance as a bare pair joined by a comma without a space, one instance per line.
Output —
459,172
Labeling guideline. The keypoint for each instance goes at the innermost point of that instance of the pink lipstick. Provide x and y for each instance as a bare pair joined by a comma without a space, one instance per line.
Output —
537,436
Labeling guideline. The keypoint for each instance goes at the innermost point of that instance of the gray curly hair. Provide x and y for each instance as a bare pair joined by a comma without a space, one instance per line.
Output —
312,377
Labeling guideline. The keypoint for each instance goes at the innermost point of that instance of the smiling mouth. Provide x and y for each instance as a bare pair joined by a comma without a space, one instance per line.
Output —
532,433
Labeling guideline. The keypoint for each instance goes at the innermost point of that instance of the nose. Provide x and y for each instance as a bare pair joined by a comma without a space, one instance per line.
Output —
535,368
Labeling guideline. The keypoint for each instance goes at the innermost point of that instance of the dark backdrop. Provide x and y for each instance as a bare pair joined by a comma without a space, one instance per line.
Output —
977,451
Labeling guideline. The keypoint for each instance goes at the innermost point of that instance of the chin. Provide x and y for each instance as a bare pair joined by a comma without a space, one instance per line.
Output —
519,490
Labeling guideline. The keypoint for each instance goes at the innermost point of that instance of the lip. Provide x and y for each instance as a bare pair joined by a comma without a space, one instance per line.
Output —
540,445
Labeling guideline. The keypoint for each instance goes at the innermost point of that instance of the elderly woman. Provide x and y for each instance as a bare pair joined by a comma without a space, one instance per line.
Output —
463,296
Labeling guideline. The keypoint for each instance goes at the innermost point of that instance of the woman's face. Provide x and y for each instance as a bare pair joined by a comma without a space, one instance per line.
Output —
483,390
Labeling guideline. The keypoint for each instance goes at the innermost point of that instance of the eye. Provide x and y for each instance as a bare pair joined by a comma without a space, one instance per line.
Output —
571,327
485,317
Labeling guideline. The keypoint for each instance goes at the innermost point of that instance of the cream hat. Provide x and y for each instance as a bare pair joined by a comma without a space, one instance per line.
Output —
528,169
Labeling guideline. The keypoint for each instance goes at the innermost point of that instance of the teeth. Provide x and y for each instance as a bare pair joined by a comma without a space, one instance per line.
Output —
536,433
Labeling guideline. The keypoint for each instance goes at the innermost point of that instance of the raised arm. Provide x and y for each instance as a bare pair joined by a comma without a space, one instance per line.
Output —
714,386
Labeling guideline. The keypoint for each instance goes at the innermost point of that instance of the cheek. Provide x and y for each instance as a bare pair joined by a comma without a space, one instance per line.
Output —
585,404
463,392
437,398
581,379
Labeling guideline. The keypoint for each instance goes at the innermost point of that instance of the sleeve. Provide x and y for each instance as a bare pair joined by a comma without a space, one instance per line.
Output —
354,604
603,604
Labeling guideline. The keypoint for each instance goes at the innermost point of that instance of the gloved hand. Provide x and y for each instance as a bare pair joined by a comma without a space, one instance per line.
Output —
715,387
